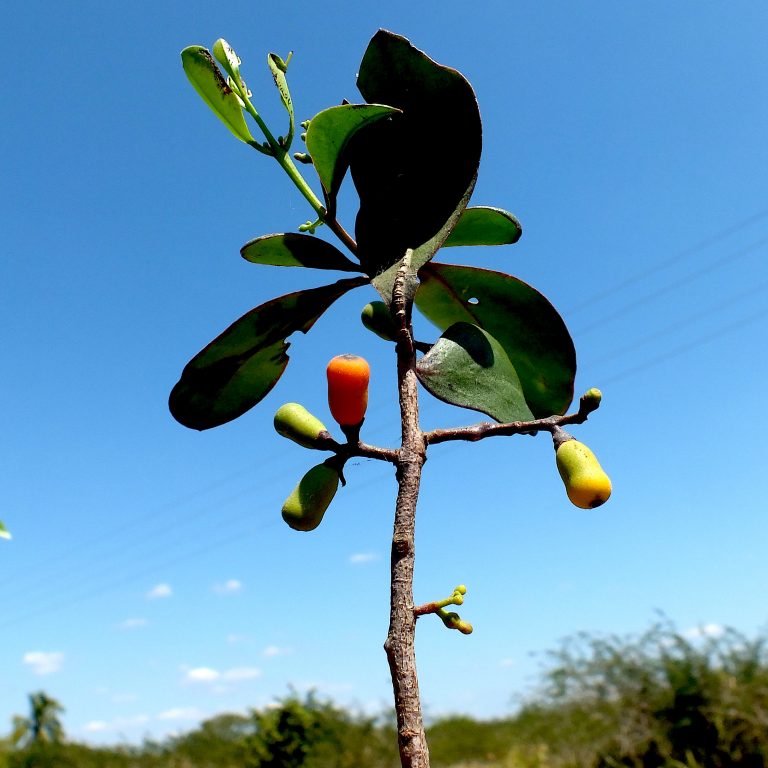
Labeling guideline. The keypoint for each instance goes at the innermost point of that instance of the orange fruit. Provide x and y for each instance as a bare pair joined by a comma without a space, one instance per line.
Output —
348,377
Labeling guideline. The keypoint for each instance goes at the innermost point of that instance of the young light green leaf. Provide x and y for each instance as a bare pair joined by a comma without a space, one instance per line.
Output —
292,250
4,532
483,225
278,69
208,81
238,368
228,59
329,133
469,368
526,325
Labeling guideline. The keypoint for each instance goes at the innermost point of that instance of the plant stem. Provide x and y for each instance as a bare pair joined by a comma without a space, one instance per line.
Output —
399,645
284,160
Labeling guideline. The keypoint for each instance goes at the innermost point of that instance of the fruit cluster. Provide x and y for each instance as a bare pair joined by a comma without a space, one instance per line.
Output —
348,377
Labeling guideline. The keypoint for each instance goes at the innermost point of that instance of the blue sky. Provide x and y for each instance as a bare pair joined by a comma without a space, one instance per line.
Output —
150,581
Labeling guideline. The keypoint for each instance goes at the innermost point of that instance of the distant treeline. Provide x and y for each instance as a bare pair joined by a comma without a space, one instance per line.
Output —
661,700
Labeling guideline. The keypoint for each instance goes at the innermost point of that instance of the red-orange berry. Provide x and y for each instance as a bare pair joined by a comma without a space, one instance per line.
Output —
348,377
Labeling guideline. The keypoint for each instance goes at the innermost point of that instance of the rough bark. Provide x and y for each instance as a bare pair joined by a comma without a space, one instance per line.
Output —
399,644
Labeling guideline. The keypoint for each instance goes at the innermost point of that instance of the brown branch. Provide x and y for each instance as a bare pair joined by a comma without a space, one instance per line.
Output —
399,645
487,429
335,226
425,608
325,442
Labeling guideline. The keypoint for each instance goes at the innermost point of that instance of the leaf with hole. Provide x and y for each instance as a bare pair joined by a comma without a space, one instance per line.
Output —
523,321
469,368
293,250
208,81
329,134
483,225
414,172
239,367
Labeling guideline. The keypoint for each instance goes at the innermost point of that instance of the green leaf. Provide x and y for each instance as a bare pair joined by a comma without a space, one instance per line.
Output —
278,68
228,59
329,133
469,368
415,171
208,81
238,368
294,250
483,225
4,532
526,325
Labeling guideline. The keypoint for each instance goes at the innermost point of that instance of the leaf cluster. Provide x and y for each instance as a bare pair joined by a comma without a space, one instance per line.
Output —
412,150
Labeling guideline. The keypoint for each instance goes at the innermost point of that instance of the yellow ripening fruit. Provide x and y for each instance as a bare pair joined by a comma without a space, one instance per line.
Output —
303,510
296,423
377,318
585,481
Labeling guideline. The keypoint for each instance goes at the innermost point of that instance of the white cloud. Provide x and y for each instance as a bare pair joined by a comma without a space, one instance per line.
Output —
202,675
363,557
133,623
275,650
507,663
160,590
704,630
43,663
229,587
95,726
241,673
234,639
181,713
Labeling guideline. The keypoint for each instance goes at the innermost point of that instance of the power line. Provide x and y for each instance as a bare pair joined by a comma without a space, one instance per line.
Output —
674,285
663,264
684,321
682,348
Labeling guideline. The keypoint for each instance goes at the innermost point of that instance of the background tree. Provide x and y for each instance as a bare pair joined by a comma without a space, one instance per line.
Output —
42,725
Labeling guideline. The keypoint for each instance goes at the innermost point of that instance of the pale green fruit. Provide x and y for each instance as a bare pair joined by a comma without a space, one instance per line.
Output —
304,508
376,318
296,423
586,483
590,400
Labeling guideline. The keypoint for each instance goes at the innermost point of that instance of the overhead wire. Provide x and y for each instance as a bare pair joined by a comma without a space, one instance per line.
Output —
666,263
675,285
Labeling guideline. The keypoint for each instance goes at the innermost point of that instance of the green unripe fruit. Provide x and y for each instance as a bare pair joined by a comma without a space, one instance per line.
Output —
590,400
296,423
304,508
377,318
586,483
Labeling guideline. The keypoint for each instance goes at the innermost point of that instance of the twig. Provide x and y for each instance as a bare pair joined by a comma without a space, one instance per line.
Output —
488,429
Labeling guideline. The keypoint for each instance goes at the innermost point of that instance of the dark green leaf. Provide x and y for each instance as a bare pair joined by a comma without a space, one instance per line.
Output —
238,368
278,67
482,225
294,250
415,171
208,81
526,325
468,367
384,281
329,133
